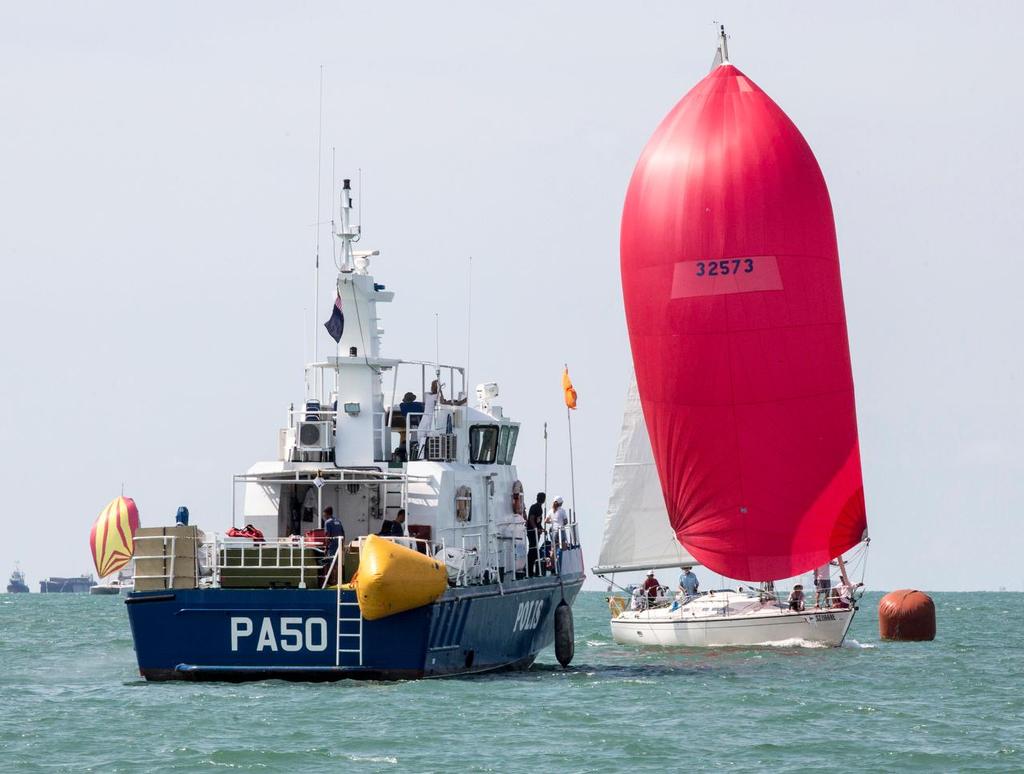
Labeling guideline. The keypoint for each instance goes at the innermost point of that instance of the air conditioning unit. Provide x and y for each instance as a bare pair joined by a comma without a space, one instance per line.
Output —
440,448
314,436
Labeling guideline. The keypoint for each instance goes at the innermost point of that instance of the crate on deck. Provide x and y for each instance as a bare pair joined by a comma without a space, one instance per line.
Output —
251,565
420,532
165,557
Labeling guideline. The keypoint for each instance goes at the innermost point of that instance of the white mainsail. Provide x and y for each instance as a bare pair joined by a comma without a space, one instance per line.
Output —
637,533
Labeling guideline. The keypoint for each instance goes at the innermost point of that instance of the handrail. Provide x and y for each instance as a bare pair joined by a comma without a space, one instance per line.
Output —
487,556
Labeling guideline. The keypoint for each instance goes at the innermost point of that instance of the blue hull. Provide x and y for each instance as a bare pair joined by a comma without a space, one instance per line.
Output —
250,634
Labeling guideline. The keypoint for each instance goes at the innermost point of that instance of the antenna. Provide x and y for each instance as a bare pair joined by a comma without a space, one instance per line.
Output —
437,342
723,43
469,318
359,182
334,242
316,220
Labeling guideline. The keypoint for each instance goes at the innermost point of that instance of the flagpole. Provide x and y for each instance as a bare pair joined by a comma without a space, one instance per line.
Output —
545,458
572,470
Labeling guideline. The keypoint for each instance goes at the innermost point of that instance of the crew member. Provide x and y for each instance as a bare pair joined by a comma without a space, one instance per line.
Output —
651,587
333,530
796,598
436,391
410,405
822,585
534,527
688,583
556,521
394,528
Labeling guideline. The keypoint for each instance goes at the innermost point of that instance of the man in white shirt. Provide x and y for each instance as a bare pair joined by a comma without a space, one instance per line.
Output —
822,585
430,401
556,521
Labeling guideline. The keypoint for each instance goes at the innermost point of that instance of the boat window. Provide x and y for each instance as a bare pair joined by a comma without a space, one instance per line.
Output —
464,504
503,445
483,444
513,436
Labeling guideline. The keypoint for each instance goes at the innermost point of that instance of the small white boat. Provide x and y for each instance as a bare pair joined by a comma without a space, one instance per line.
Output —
122,583
731,618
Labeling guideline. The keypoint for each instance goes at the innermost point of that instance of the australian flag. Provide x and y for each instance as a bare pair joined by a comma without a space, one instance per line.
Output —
336,325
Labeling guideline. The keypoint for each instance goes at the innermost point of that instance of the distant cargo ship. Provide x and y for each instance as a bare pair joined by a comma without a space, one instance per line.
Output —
55,585
16,585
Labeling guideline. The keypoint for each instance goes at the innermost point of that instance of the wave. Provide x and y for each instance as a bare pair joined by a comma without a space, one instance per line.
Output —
849,642
792,642
371,758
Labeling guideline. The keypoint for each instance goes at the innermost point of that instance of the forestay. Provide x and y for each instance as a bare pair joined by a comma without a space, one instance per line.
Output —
637,532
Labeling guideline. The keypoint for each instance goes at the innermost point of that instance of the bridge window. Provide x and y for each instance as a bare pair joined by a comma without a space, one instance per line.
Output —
513,436
483,444
503,445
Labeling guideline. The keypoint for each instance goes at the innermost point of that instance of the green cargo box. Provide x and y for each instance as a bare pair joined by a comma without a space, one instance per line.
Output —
270,567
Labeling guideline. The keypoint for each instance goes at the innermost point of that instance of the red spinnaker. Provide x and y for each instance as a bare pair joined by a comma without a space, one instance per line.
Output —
730,273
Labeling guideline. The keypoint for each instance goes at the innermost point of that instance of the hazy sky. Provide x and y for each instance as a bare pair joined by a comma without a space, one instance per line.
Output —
157,202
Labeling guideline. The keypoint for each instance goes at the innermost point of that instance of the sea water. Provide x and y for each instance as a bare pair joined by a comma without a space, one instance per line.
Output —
71,700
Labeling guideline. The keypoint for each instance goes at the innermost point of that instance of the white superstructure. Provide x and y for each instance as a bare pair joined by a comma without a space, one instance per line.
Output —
352,445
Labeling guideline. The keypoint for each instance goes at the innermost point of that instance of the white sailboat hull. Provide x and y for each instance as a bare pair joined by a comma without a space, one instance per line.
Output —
663,628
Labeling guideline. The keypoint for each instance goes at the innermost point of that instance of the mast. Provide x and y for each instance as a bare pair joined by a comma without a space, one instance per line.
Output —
723,44
348,234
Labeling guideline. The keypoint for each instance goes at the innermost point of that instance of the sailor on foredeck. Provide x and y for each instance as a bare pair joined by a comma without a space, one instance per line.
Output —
688,583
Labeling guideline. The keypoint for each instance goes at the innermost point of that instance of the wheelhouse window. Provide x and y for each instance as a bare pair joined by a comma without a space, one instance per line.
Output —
483,444
513,436
503,445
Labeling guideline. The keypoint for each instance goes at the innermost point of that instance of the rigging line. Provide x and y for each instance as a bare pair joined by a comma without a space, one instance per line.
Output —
334,242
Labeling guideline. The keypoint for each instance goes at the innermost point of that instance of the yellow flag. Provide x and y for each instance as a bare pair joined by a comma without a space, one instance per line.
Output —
568,389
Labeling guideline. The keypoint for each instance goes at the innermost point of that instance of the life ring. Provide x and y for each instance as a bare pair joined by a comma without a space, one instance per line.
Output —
518,503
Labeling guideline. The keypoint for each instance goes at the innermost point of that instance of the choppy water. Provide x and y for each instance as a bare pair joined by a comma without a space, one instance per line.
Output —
70,700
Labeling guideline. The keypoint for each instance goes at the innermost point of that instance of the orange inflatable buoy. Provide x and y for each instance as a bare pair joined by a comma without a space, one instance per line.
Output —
907,615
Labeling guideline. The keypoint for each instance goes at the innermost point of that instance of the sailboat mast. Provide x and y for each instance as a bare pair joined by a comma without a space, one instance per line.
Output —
723,43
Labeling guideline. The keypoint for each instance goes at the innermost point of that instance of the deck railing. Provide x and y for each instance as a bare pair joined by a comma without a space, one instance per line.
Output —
192,559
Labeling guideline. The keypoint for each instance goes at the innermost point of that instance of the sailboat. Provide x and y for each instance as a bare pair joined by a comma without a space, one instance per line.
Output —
733,299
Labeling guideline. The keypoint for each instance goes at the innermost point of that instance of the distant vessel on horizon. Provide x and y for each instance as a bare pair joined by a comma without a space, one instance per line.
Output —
59,585
16,584
122,583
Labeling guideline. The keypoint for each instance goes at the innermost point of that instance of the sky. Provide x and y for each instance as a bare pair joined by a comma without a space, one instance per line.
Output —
158,186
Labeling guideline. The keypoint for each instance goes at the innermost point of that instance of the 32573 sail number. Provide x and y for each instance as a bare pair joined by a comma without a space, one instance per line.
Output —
724,267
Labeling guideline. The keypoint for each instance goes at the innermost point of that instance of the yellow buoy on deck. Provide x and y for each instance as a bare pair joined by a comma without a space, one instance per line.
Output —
392,578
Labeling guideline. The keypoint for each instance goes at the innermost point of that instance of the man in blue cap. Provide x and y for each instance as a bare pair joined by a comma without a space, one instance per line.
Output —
688,583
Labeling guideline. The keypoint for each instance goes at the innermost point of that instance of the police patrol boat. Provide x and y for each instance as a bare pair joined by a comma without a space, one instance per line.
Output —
447,593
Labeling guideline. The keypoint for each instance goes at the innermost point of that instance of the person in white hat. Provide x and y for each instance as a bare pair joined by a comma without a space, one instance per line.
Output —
651,586
556,520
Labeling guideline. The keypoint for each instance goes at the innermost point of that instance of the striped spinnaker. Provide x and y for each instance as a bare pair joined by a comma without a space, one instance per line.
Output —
112,537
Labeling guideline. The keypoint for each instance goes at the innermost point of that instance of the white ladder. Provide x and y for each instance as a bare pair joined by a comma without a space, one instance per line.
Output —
357,635
394,498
